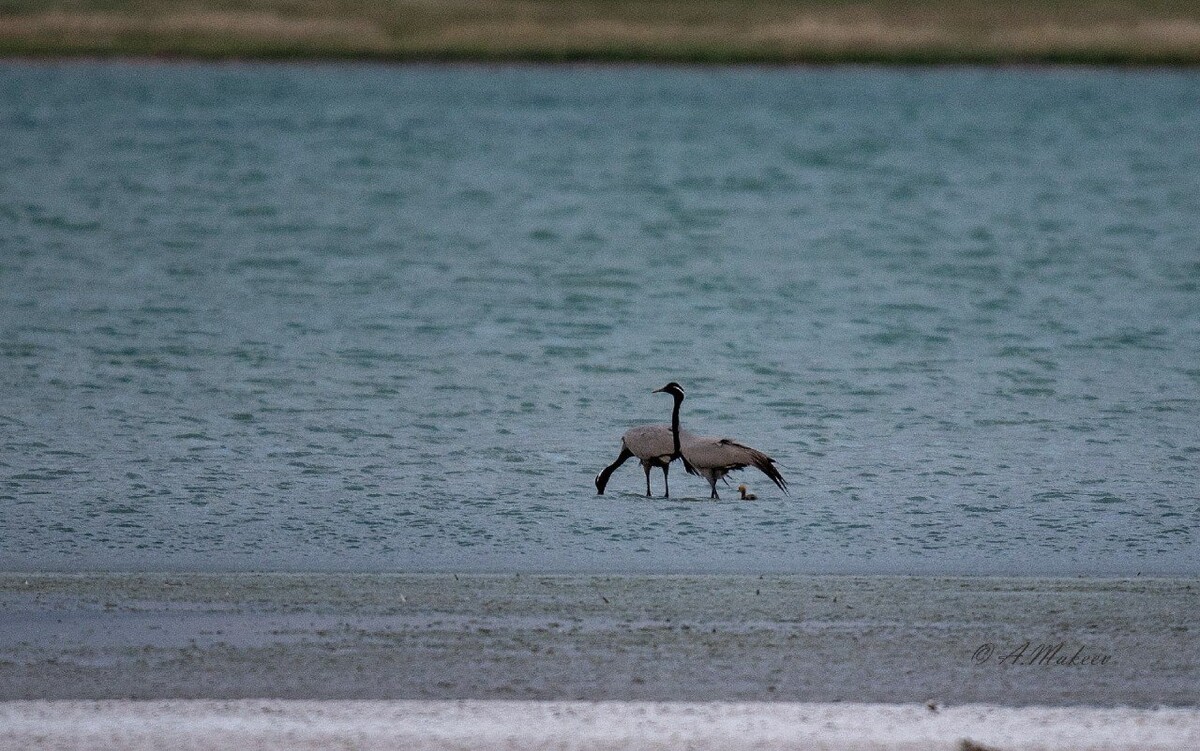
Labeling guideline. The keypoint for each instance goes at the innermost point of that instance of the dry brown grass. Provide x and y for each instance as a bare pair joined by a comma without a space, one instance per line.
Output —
1180,38
1132,31
91,30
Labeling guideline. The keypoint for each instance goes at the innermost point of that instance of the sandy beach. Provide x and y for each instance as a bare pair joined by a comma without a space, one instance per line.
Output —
596,662
531,726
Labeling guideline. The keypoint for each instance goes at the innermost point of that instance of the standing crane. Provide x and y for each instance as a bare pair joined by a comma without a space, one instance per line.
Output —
653,445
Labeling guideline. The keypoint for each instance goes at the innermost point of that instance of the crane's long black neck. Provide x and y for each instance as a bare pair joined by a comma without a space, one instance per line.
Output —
675,423
602,478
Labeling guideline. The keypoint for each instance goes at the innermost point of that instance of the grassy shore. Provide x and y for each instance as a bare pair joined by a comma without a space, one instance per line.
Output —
1130,32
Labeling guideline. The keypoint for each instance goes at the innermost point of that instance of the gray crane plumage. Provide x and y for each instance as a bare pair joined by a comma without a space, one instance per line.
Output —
713,458
653,445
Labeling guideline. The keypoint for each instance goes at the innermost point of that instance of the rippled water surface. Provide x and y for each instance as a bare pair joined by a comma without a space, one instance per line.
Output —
294,317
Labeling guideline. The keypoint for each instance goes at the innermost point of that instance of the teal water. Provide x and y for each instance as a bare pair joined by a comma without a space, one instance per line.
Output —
396,318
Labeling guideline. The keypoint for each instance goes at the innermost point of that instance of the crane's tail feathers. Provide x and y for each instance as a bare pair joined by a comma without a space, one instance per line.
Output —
688,466
766,465
762,462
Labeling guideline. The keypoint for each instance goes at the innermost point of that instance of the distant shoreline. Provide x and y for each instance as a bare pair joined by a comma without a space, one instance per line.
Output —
448,63
704,32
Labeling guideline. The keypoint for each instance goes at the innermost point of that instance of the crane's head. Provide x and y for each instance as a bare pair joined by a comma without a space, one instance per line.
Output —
672,388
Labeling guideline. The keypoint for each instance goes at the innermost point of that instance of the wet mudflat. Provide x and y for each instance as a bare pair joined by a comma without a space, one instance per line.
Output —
1009,641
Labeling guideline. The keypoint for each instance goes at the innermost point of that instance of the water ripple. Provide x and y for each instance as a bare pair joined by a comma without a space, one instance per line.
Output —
397,318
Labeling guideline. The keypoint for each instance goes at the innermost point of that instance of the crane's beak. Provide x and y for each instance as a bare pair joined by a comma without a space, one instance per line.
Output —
658,391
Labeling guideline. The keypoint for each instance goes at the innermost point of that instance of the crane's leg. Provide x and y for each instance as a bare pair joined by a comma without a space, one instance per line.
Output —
647,468
666,485
713,483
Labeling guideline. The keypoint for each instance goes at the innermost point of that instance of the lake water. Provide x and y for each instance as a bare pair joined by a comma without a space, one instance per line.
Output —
299,317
